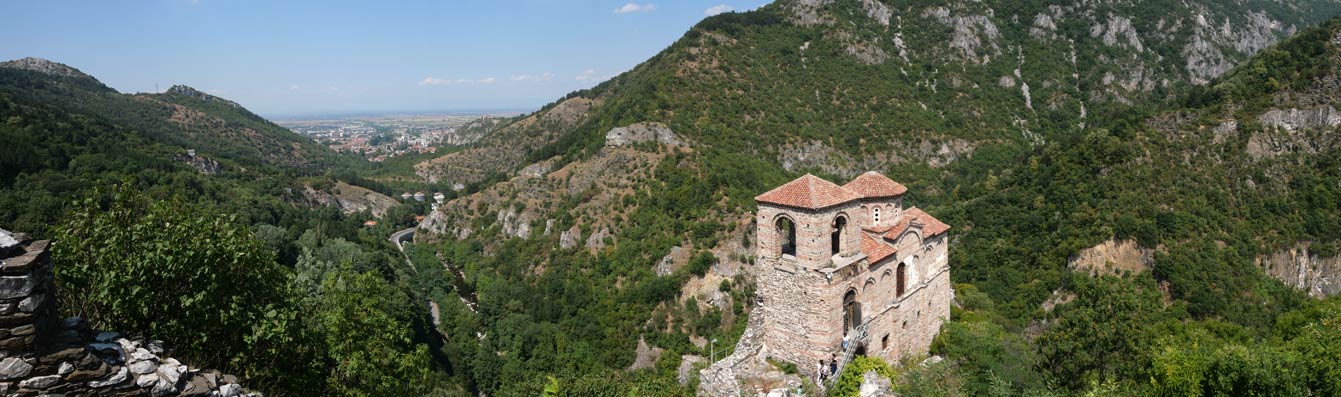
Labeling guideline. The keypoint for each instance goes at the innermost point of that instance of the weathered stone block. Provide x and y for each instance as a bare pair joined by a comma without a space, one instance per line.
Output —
32,302
12,287
17,343
85,374
40,382
14,368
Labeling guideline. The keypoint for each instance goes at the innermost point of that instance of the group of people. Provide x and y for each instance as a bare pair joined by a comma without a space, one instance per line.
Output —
825,369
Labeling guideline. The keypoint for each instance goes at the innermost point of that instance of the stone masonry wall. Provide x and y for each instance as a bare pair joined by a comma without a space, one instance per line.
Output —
43,355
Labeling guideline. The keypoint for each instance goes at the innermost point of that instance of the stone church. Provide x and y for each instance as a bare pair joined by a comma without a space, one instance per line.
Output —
842,263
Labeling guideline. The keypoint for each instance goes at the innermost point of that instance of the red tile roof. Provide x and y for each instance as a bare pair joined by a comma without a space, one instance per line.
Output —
874,184
893,233
875,249
930,225
808,192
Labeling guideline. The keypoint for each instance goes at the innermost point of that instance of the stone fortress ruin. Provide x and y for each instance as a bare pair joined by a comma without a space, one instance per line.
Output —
842,271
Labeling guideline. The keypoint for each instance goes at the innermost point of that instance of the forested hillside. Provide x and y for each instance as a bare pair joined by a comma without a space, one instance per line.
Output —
1038,130
228,255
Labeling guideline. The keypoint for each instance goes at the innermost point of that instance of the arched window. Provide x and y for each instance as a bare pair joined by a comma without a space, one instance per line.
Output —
787,232
836,238
875,215
851,311
899,276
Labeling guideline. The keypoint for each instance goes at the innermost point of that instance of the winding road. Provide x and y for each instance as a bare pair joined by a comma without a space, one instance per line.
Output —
458,279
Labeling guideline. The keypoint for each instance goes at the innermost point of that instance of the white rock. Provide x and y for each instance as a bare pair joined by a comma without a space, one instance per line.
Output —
14,368
65,368
29,304
146,380
39,382
142,367
142,355
230,390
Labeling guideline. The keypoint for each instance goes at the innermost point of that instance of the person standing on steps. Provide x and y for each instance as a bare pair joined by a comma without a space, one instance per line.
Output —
819,372
833,364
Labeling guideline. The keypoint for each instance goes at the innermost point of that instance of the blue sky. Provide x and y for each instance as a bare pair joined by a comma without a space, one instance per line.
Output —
282,58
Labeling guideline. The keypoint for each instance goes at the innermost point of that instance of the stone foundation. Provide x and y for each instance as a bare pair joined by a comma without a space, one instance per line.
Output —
43,355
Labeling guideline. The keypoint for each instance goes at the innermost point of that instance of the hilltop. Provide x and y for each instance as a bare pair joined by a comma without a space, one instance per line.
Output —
66,133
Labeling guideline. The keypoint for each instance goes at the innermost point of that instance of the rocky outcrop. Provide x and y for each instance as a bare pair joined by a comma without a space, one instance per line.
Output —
45,66
1118,32
673,260
198,95
874,385
350,199
43,355
1113,257
1303,131
645,356
642,132
1298,268
202,164
1297,119
974,36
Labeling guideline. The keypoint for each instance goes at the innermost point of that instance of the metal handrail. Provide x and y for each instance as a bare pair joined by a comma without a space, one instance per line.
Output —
858,335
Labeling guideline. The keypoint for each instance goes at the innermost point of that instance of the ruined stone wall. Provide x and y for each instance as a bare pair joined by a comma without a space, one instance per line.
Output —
41,354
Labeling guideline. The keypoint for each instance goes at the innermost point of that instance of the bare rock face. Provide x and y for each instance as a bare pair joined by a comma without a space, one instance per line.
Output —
1296,119
197,94
1294,131
45,66
878,11
1118,32
1205,61
1113,257
974,36
807,12
647,355
686,369
596,241
642,132
350,199
874,385
568,239
674,259
1298,268
515,224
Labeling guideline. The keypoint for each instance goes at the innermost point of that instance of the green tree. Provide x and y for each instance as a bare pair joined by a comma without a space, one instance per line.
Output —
167,270
363,321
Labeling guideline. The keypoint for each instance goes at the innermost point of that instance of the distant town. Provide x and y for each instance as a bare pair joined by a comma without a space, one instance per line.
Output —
379,138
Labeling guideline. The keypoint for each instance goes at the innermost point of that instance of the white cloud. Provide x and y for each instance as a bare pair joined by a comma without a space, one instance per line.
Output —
534,77
294,87
586,75
635,7
718,9
437,81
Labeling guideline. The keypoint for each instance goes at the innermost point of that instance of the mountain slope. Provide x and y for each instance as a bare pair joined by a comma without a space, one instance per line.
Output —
878,82
1021,124
181,116
66,133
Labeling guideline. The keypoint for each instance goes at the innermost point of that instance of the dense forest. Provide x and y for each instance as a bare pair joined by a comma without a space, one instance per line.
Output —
300,299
